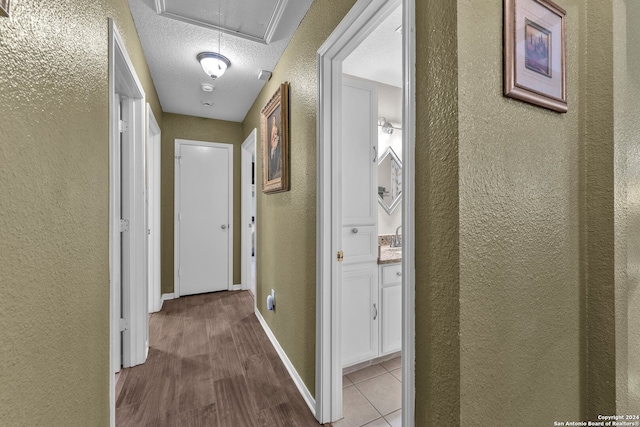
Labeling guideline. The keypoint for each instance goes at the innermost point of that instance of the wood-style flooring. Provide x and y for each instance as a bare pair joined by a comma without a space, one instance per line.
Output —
210,363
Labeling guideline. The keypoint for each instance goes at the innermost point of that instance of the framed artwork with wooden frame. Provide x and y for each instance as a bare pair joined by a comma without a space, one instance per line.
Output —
274,124
4,7
535,53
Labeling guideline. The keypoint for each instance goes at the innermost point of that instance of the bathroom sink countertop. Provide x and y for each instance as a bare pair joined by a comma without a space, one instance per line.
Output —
387,255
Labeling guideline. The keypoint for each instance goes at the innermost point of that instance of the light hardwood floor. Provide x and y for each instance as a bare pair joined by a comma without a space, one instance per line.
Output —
210,364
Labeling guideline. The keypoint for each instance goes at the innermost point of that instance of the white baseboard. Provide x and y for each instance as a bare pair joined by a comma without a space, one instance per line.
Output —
302,388
166,297
236,287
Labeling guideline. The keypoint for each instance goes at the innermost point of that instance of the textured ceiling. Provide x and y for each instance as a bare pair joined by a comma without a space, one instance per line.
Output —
379,56
170,46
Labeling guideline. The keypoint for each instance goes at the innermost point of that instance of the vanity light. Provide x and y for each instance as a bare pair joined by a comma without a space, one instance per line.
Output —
386,126
213,64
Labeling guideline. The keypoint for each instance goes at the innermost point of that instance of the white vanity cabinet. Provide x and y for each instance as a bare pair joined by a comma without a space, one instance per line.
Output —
371,312
359,238
390,308
360,314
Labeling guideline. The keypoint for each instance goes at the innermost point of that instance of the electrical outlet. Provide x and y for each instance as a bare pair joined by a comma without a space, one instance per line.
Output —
271,300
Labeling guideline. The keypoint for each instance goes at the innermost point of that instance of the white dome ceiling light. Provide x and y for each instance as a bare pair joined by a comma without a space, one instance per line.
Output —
213,64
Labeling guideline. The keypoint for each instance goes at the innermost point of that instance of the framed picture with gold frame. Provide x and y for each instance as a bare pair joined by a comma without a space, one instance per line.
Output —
274,125
4,7
535,53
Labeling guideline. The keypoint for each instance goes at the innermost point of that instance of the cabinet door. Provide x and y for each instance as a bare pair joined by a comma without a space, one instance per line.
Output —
360,314
391,316
359,181
360,245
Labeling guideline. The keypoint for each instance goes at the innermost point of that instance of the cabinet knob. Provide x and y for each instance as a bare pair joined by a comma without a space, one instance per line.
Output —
354,230
399,273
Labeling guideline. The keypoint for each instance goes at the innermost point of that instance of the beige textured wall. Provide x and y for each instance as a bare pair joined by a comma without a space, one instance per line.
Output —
176,126
54,357
286,222
626,59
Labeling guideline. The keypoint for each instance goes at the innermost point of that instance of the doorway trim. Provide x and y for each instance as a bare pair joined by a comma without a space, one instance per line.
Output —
356,25
124,84
248,153
154,148
176,216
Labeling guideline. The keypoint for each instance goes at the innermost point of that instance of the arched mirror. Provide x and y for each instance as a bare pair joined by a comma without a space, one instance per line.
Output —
389,180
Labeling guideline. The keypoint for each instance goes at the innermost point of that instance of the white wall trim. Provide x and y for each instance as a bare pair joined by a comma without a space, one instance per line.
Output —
272,26
236,288
154,147
408,214
176,207
167,297
302,388
123,82
114,238
357,24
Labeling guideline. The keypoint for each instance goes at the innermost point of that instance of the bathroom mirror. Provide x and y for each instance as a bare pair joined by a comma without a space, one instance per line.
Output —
389,180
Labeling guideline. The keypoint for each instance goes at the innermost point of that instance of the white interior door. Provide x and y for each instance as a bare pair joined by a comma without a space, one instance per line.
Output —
126,215
248,213
204,216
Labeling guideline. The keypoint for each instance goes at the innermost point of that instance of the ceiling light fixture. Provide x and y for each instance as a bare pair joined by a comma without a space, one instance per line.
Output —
213,64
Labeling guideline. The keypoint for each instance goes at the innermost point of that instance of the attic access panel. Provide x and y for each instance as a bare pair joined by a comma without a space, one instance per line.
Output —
254,20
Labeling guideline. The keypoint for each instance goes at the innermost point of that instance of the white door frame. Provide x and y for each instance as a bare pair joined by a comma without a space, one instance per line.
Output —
124,84
154,149
248,153
176,217
357,24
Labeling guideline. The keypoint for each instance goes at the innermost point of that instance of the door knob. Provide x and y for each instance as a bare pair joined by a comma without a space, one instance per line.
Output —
223,226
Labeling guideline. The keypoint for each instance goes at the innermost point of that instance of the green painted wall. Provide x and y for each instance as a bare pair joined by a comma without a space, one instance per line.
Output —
519,236
286,222
54,268
437,215
626,59
598,207
177,126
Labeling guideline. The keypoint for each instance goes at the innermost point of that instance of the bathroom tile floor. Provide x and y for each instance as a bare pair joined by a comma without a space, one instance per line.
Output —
372,396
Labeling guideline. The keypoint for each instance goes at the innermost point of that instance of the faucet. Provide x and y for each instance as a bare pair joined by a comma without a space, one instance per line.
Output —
396,241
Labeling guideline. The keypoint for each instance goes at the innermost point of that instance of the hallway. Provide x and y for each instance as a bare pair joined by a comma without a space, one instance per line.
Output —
210,364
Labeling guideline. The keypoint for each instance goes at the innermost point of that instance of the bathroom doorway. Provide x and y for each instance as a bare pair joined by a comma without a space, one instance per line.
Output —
371,287
365,257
